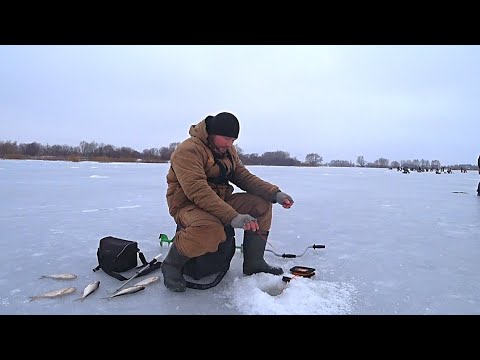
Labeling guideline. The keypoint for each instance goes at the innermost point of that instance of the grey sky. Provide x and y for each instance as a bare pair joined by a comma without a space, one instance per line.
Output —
398,102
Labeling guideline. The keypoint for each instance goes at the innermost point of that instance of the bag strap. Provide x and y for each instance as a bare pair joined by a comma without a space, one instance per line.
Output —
215,282
123,278
113,274
144,261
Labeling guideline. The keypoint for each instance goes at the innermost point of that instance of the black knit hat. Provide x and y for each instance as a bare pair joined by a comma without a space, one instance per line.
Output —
224,124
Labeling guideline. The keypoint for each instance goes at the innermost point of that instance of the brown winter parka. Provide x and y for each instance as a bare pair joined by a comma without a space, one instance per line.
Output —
193,162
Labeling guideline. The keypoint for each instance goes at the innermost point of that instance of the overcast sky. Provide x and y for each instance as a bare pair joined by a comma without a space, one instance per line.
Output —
397,102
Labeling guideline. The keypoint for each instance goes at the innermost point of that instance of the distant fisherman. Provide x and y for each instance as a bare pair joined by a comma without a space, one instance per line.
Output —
478,188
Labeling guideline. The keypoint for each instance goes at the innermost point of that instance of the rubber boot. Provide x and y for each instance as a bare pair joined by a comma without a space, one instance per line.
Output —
172,270
254,243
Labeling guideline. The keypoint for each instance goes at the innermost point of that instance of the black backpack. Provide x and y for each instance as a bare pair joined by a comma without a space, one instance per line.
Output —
211,263
116,255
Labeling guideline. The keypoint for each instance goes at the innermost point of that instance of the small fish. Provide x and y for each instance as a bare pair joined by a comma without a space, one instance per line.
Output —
90,288
54,293
129,290
59,276
147,281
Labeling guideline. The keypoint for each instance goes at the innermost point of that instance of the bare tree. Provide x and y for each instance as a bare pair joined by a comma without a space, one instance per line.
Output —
239,150
382,162
361,161
341,163
33,149
8,147
436,164
279,158
313,159
88,149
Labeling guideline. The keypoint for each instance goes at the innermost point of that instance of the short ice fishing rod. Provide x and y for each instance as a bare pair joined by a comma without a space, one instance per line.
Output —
164,238
155,260
291,256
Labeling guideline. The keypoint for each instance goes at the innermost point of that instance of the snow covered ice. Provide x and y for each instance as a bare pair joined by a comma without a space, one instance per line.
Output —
394,243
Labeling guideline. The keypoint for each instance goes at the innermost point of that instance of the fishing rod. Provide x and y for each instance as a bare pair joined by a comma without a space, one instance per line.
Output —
155,259
297,271
164,239
291,256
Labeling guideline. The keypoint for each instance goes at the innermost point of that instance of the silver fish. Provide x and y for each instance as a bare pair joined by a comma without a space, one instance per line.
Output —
129,290
59,276
54,293
147,281
90,288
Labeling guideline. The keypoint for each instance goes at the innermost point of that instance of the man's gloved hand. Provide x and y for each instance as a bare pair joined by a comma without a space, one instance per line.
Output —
284,199
245,221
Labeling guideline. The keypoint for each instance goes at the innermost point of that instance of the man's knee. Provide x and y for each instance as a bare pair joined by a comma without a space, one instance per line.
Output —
261,207
212,235
197,240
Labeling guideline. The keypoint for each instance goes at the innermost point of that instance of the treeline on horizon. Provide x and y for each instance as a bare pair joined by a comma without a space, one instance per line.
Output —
92,151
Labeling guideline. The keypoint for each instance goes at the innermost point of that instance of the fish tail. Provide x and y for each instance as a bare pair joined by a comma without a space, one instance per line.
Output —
32,298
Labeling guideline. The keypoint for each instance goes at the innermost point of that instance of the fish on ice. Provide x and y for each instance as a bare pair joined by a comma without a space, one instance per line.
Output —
129,290
54,293
59,276
147,281
89,289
